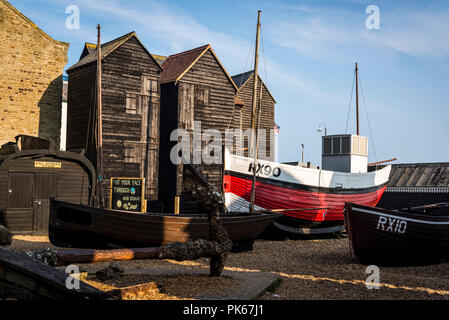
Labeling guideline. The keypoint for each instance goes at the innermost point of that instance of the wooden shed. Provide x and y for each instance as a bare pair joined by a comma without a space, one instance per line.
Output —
29,177
130,110
194,87
245,83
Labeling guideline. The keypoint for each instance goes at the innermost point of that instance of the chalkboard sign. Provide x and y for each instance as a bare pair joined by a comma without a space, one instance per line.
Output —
128,194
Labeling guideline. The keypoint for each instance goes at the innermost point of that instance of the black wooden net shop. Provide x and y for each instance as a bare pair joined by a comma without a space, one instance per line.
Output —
28,179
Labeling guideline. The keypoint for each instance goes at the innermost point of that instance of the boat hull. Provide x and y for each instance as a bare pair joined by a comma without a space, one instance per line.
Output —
318,196
86,227
380,236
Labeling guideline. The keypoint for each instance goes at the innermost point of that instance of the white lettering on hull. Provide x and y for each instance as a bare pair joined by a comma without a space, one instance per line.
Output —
388,224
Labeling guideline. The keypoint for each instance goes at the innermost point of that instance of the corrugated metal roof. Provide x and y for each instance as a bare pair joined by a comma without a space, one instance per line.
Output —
419,175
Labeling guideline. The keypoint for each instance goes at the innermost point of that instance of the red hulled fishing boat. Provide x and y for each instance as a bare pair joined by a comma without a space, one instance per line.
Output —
313,199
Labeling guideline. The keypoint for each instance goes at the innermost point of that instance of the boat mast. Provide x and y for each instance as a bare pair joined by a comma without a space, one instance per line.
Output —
99,123
253,143
357,96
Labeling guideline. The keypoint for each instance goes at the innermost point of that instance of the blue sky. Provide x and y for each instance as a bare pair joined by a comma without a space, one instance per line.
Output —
307,60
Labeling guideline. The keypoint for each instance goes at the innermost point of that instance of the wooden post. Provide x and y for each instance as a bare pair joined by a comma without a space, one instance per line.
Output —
99,123
177,198
254,105
252,148
357,96
89,255
253,187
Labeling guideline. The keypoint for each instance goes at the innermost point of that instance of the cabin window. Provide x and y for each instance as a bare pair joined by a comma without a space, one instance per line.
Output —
149,85
336,145
327,145
345,145
131,103
201,95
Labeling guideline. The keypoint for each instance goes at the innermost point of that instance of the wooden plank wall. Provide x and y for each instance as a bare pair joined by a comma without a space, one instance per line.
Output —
267,111
131,136
80,106
130,108
204,94
213,104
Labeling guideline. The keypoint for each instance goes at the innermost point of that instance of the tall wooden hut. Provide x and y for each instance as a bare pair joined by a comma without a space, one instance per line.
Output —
32,171
245,84
130,110
194,87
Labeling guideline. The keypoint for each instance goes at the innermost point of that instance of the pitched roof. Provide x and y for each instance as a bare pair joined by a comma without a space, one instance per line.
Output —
419,175
159,58
177,65
88,48
33,25
106,49
241,79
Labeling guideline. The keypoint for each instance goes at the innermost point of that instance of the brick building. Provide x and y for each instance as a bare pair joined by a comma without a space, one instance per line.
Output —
31,67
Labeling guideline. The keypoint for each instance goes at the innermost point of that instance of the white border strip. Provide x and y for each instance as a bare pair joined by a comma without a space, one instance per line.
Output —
398,217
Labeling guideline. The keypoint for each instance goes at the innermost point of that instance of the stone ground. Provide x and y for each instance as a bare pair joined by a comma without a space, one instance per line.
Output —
318,269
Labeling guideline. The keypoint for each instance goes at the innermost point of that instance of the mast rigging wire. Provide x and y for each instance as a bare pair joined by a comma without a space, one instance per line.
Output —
367,118
350,102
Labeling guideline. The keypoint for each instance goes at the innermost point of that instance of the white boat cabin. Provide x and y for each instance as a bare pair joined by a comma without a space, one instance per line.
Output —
345,153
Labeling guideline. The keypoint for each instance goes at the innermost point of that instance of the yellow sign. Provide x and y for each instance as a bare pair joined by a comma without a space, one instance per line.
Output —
46,164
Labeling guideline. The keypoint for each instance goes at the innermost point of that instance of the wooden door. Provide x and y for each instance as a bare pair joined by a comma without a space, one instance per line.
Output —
45,186
19,212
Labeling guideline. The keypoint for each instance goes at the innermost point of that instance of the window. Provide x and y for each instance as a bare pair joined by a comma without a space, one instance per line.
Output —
149,85
327,145
345,145
336,145
131,103
201,95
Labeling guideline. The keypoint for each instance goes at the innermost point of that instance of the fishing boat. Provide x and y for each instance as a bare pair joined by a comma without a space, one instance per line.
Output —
311,200
380,236
74,225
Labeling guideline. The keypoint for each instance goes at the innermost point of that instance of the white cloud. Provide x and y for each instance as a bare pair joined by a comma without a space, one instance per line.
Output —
331,33
168,22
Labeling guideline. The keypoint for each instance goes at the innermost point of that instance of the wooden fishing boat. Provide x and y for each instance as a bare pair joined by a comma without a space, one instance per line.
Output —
73,225
380,236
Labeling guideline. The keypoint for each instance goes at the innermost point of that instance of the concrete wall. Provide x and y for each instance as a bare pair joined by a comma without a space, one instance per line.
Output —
31,67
